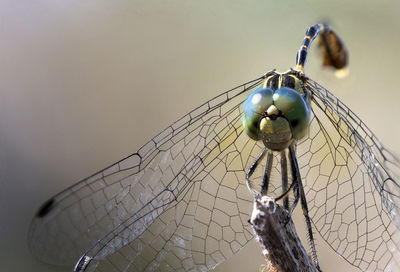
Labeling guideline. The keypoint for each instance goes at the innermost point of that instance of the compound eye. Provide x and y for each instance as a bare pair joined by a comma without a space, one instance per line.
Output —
294,107
253,109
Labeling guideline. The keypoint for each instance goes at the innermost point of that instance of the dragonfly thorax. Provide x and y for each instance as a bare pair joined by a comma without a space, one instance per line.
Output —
278,112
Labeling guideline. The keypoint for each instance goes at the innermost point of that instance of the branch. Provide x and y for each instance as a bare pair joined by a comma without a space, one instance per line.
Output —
280,243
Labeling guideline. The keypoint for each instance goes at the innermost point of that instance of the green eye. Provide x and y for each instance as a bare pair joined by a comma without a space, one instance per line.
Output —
294,107
253,108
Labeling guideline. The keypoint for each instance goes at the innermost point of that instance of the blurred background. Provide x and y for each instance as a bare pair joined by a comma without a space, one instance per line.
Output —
86,83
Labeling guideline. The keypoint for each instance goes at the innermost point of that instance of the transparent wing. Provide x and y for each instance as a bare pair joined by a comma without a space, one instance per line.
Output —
179,203
350,184
353,197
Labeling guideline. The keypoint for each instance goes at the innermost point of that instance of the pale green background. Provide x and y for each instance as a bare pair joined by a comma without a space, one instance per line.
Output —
85,83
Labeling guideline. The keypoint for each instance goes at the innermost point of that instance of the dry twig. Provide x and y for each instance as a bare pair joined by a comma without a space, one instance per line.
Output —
278,238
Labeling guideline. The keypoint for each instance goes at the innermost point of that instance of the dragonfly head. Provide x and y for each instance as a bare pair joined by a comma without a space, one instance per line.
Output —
277,117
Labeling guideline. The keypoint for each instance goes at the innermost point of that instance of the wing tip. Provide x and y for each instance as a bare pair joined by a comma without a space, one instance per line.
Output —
82,263
45,208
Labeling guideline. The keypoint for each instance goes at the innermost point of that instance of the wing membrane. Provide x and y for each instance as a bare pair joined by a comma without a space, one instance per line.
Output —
118,204
180,202
203,226
350,185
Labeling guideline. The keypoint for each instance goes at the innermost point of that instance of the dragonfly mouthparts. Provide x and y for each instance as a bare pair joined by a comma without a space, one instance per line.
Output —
272,112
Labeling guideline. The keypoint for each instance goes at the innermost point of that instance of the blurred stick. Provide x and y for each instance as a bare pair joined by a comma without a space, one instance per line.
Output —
280,243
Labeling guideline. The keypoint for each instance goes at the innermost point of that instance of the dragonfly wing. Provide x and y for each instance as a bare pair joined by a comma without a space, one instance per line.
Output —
351,190
162,205
200,228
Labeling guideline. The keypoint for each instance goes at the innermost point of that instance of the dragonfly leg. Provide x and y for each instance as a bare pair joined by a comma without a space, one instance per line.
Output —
295,202
304,207
296,199
295,189
267,175
284,178
252,169
286,193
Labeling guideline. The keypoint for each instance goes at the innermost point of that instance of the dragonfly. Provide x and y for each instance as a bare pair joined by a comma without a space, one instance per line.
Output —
183,200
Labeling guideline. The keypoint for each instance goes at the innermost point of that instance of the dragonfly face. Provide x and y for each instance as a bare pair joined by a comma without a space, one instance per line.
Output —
278,112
